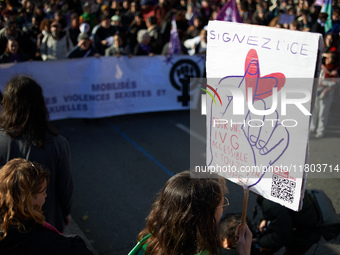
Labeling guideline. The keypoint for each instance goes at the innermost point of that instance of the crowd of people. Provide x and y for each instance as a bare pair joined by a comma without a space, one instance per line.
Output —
54,30
184,218
36,190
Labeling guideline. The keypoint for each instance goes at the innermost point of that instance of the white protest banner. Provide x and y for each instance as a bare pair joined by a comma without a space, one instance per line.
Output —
108,86
257,133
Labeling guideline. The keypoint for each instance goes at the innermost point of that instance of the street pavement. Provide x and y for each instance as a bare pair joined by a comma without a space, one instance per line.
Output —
120,163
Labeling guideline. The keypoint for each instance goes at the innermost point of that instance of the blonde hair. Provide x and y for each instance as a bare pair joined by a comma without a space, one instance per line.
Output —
19,181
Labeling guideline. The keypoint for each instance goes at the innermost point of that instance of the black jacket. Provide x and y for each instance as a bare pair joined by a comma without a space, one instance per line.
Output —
38,240
78,52
288,228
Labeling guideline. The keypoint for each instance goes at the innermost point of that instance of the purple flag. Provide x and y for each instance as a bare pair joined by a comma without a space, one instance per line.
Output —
175,43
229,12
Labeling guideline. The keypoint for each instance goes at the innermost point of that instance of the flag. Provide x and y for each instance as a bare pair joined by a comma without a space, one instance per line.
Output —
327,8
229,12
174,44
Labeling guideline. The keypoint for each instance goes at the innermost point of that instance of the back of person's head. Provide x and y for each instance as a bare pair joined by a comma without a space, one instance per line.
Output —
323,16
227,228
182,219
104,17
20,182
152,20
24,110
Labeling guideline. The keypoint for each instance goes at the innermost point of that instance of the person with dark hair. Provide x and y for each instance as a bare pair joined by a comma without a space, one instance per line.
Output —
119,47
31,32
23,186
56,44
8,15
161,11
11,30
330,45
115,8
39,13
136,25
60,17
84,48
227,229
87,16
130,14
154,32
12,53
305,21
196,28
103,36
116,21
319,25
184,219
335,22
26,133
73,28
283,227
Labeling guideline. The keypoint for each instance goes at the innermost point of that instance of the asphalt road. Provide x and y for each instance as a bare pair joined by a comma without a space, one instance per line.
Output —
120,163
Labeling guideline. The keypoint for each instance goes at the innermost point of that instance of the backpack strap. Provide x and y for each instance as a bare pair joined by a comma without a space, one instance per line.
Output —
140,245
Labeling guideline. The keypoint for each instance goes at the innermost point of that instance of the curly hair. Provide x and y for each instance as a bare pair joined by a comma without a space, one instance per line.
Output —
24,111
20,180
182,219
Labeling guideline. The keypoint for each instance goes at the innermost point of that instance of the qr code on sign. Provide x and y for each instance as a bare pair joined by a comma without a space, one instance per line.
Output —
283,188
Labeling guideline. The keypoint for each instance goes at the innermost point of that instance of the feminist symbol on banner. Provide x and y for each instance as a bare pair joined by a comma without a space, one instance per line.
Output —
268,143
180,75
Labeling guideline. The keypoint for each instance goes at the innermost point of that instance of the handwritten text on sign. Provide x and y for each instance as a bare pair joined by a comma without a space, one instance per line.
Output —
261,126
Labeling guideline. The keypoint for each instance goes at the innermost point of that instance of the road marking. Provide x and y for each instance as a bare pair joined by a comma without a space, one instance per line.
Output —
114,127
191,133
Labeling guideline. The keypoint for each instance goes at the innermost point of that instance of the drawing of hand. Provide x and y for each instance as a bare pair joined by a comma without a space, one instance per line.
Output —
267,138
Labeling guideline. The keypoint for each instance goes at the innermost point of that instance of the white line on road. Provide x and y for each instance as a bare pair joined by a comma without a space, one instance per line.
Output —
191,133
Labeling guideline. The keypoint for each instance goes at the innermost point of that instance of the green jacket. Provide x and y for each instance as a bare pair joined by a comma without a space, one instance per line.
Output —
140,248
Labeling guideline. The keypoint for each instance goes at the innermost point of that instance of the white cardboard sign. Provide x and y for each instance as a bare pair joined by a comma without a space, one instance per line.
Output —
258,117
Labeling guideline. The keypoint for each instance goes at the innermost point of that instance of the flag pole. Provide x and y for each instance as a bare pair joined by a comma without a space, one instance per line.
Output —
245,205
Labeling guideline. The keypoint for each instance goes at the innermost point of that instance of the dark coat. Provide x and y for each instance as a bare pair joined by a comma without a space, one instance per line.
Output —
101,34
78,52
55,156
38,240
287,227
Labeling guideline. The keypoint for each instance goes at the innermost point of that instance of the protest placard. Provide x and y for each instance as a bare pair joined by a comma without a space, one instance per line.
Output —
262,82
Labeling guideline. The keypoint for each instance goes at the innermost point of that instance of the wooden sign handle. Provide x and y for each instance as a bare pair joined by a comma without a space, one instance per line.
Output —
245,205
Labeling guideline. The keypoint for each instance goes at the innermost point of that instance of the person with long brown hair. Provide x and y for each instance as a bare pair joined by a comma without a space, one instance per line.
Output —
183,219
12,53
26,133
23,229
